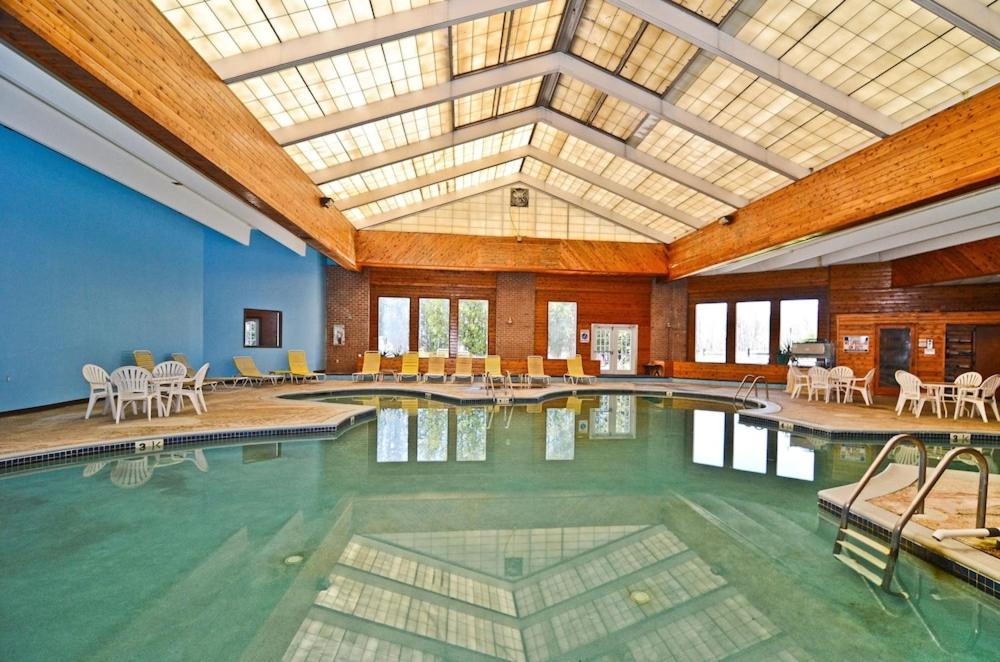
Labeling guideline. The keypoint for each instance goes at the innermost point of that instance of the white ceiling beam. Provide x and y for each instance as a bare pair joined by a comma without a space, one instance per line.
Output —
462,86
979,226
620,88
597,210
968,15
338,41
507,74
520,153
707,36
521,118
431,178
947,241
433,203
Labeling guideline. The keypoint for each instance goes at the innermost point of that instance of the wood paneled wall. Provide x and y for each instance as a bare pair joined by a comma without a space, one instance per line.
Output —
971,260
598,301
417,250
131,61
867,288
953,151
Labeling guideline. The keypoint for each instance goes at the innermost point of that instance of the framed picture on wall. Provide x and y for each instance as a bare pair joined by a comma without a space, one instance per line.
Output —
339,335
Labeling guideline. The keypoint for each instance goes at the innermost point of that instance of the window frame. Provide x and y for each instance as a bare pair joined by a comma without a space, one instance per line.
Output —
458,328
767,331
380,318
725,332
423,353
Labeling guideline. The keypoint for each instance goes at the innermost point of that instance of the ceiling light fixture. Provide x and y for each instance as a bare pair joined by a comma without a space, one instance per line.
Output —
727,219
325,202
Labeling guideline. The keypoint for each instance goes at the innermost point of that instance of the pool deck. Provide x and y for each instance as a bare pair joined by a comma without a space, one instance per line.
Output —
261,408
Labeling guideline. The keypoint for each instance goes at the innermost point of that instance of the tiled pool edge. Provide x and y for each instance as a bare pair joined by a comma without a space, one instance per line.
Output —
990,439
72,453
987,584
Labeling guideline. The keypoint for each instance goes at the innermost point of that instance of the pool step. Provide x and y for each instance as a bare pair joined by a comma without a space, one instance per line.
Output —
857,552
871,542
863,554
858,568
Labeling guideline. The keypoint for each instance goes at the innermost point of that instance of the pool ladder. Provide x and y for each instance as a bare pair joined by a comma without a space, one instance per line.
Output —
504,396
751,382
873,559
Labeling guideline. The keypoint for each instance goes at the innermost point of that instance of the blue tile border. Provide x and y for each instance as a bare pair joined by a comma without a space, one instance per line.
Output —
988,585
112,449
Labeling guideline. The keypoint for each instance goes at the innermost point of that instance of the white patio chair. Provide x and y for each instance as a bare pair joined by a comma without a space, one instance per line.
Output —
797,380
195,393
176,372
910,391
978,397
819,380
839,381
862,385
100,387
131,386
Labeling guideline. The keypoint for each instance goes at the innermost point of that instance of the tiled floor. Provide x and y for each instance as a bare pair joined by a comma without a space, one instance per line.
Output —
233,409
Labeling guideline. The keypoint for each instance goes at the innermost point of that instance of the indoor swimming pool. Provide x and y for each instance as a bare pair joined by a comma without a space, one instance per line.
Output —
600,526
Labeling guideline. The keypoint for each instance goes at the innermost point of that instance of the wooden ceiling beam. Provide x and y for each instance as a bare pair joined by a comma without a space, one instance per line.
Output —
418,250
971,260
952,152
129,60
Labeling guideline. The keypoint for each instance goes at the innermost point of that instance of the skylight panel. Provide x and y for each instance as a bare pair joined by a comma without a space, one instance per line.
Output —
657,59
536,169
371,138
499,101
350,80
713,10
567,183
756,109
574,98
547,138
519,95
709,161
585,155
603,197
894,56
500,38
617,117
220,28
604,34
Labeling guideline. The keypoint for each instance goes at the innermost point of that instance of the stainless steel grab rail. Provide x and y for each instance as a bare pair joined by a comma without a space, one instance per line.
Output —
752,387
917,504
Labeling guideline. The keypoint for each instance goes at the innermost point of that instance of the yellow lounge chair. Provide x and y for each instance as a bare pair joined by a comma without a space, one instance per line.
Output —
435,369
298,366
144,359
491,369
371,367
410,367
463,369
250,374
574,371
536,371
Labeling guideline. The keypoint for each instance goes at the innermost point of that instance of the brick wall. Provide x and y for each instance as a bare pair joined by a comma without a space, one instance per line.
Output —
347,303
668,321
515,301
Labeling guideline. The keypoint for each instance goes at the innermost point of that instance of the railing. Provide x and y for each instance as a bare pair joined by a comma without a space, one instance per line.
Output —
917,504
752,387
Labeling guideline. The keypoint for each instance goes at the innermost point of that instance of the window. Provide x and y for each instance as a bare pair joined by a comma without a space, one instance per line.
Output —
433,329
749,448
393,436
799,321
562,329
560,433
432,435
753,331
393,325
470,442
710,332
261,328
708,439
473,326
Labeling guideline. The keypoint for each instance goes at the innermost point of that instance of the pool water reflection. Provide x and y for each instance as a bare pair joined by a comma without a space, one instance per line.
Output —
602,527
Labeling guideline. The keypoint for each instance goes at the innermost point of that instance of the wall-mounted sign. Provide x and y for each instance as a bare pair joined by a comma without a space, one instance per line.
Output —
585,335
339,335
855,343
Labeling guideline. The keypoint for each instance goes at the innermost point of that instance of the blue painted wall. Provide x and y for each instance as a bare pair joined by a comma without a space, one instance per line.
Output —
90,270
270,277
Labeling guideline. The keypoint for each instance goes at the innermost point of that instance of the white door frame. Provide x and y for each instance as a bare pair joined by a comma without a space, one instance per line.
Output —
615,329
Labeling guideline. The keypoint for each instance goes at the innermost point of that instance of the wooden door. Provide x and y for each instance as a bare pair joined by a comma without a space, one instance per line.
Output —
987,350
894,352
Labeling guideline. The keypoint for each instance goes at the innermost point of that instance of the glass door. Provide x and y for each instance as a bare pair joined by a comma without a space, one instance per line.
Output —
614,345
895,352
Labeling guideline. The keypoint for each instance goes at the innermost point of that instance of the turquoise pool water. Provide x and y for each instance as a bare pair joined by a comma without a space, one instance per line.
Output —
609,527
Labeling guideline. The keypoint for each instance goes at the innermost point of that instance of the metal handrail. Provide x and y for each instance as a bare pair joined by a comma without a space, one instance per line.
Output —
739,389
882,455
918,502
752,387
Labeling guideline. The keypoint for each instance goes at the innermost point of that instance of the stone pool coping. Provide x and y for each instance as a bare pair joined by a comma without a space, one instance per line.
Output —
337,423
969,564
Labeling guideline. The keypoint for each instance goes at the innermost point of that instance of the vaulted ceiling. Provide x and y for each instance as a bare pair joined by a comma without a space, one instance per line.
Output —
655,117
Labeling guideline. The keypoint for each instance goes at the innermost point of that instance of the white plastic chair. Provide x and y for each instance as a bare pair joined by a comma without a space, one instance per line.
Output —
176,372
839,381
195,394
100,387
131,386
910,391
862,385
978,397
797,380
819,380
